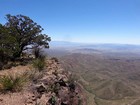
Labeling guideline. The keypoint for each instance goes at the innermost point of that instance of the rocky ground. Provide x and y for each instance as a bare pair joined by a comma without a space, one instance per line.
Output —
52,86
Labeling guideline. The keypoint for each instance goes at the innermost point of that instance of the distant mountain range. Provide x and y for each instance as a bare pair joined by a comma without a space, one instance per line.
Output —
109,73
106,46
112,81
63,48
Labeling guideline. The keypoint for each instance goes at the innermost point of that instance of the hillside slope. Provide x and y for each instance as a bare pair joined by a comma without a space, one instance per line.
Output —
112,81
53,86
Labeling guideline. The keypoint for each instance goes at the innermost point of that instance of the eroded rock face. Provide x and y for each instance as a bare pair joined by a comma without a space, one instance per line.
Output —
55,88
52,87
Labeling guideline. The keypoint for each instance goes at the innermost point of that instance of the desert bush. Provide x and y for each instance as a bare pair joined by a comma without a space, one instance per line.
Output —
54,88
39,64
38,53
71,82
12,83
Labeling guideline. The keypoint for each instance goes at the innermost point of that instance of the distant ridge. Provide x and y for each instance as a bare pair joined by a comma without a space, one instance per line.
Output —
96,46
66,43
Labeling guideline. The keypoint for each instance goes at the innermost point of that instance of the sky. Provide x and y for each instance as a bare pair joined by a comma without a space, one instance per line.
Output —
86,21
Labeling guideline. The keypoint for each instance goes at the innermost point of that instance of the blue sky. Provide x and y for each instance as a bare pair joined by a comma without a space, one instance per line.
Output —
89,21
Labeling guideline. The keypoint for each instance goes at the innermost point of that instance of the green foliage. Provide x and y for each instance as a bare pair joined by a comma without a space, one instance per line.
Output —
54,88
18,32
12,83
8,44
39,64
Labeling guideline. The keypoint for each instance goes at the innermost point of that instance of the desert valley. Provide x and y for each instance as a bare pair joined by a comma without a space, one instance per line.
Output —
108,73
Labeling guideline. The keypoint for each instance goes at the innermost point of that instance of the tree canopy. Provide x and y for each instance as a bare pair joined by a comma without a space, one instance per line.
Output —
18,32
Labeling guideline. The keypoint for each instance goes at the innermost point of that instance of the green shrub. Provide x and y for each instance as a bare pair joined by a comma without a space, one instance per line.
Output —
54,88
12,83
39,64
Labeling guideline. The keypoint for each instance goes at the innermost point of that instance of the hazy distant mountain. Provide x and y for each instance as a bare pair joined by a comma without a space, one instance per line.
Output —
63,44
107,47
60,48
109,80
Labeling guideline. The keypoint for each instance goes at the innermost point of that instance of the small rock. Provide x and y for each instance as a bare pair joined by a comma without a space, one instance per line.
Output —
64,103
41,88
1,99
62,82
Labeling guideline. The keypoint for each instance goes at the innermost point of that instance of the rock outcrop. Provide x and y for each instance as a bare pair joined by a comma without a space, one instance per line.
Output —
54,87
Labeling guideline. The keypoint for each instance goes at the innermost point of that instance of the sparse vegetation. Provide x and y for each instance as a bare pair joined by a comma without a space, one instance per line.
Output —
12,83
109,80
34,75
17,34
52,100
39,64
54,88
39,61
37,53
71,83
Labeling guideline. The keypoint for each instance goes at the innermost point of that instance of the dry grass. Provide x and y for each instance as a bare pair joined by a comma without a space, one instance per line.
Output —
13,83
39,64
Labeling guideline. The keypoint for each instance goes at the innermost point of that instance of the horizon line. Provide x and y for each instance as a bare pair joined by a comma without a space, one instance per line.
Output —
94,42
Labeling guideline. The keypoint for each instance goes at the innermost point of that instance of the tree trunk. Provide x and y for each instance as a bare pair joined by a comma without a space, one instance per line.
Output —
17,54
